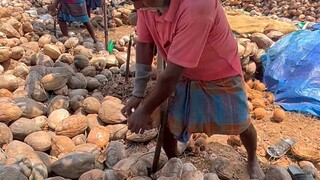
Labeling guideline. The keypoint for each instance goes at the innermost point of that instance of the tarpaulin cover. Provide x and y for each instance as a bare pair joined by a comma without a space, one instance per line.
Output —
292,71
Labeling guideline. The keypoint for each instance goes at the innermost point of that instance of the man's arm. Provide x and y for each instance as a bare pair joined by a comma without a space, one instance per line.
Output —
144,53
144,57
165,86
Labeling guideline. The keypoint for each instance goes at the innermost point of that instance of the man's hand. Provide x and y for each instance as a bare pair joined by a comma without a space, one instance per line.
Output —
139,121
132,103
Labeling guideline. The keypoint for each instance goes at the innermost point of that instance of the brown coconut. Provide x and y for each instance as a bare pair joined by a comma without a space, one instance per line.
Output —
21,70
9,112
259,113
54,81
45,39
72,126
61,47
110,112
79,139
71,42
9,31
99,62
5,134
80,92
6,93
61,145
258,103
99,136
257,85
278,115
17,53
52,51
22,127
27,27
66,58
270,97
86,52
93,121
41,121
89,71
5,54
64,91
58,102
91,105
39,141
56,117
78,81
9,82
81,61
30,107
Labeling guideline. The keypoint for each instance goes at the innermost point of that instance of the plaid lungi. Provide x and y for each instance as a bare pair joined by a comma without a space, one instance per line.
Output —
210,107
73,11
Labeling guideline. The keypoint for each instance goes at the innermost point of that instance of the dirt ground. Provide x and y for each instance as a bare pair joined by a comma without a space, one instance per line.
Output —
305,130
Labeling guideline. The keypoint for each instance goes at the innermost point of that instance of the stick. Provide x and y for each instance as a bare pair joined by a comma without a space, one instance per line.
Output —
128,57
105,17
55,26
163,122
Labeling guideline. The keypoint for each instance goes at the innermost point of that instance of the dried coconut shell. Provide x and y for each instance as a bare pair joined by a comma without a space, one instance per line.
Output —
79,139
99,136
72,126
17,52
241,50
21,70
58,102
52,51
5,134
39,141
66,58
78,81
61,47
251,68
64,91
9,111
91,105
56,117
9,31
278,115
61,145
257,85
30,107
22,127
258,103
5,54
259,113
45,39
71,42
6,93
54,81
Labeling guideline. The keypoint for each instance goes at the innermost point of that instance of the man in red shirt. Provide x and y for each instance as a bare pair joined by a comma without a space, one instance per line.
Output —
203,71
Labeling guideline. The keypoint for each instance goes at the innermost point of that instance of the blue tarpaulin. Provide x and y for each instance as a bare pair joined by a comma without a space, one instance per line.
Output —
292,71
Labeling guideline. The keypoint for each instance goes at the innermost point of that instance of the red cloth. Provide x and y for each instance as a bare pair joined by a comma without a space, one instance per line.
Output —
194,34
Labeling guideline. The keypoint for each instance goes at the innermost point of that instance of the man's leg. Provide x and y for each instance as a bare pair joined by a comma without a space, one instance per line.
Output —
63,27
89,27
88,11
170,144
249,140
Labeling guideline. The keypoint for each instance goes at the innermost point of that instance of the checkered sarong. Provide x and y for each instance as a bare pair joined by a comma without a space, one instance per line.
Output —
210,107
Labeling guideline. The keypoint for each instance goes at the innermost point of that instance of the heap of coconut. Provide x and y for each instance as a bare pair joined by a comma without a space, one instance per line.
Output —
301,10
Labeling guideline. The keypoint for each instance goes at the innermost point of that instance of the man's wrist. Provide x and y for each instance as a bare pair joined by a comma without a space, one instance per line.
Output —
141,79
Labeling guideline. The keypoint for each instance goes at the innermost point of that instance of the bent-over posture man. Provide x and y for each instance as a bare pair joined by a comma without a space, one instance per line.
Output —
203,71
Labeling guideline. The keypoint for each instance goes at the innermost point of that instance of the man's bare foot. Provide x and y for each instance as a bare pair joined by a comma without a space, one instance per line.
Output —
254,169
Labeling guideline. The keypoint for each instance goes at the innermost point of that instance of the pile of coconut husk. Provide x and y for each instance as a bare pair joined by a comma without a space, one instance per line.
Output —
301,10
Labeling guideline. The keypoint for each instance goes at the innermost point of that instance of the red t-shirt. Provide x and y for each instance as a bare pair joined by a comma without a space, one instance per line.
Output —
194,34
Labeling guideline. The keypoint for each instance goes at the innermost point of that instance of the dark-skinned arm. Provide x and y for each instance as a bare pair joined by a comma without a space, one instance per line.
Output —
144,53
164,87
